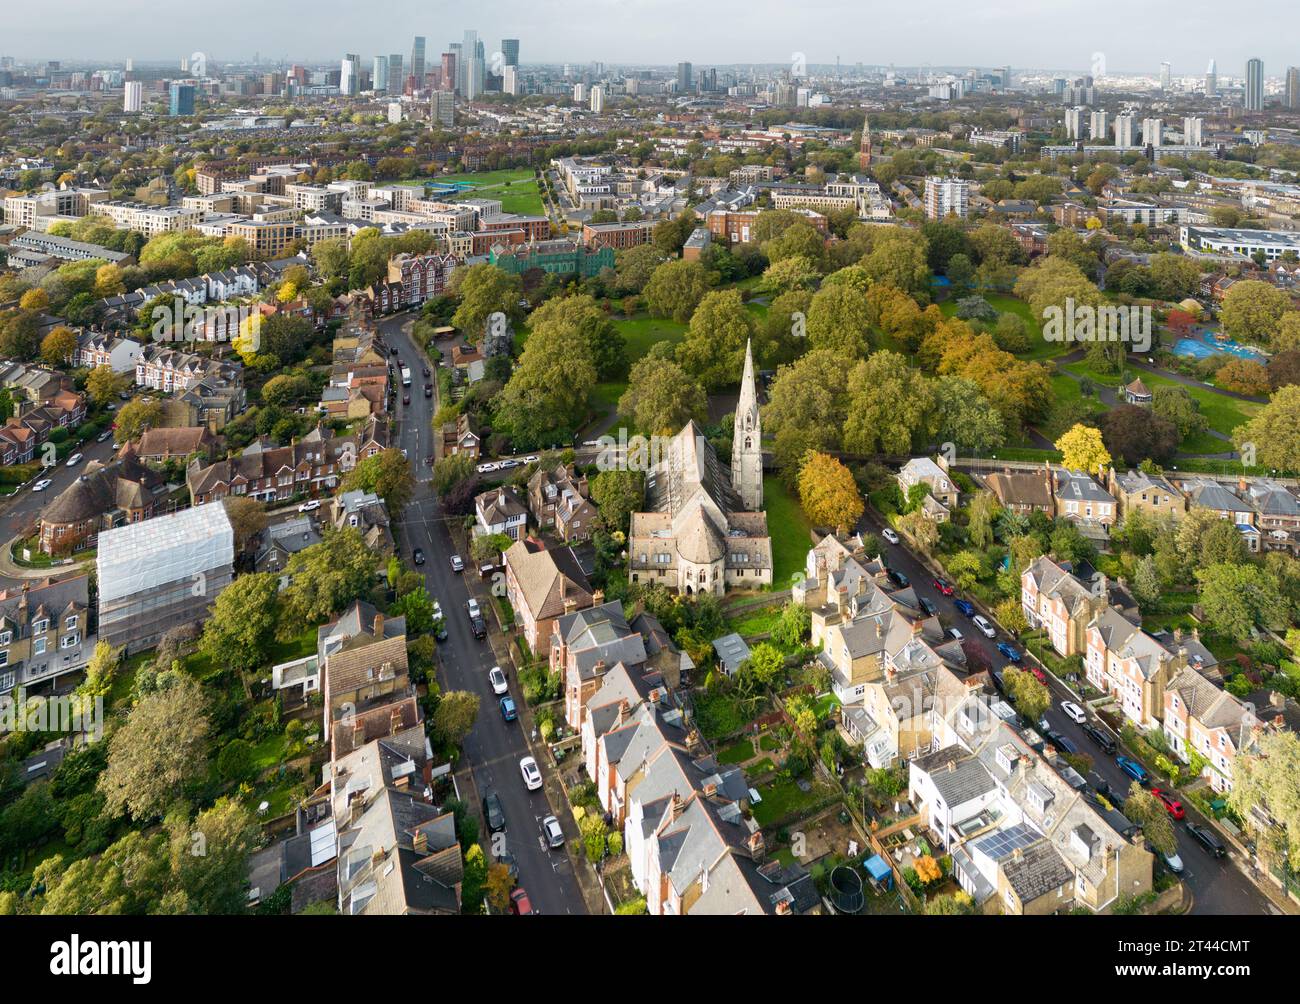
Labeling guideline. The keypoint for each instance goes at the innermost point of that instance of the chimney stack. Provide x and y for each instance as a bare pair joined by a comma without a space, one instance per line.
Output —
379,626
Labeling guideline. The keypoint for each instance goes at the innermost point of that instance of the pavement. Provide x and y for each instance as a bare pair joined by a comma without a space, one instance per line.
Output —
494,747
1217,886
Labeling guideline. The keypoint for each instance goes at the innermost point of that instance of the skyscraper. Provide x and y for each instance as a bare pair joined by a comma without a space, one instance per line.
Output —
379,74
598,99
396,78
350,75
1076,121
1099,125
448,82
684,81
417,61
1152,132
510,79
182,100
1293,86
471,66
1164,76
131,100
1255,85
1211,81
510,50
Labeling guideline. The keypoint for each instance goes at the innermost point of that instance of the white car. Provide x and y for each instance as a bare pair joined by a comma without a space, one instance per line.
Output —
41,485
472,606
1174,862
551,830
531,459
311,506
532,776
986,629
73,460
889,535
498,680
457,563
954,634
1073,712
486,468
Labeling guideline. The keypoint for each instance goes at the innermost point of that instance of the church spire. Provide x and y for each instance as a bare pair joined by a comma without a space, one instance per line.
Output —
864,147
747,441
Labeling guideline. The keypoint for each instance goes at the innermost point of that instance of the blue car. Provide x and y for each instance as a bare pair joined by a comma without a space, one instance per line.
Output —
508,709
1009,652
965,607
1133,769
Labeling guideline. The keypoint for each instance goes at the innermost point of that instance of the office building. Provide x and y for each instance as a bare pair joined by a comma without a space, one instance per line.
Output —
598,99
396,76
945,197
1293,86
379,74
470,68
448,82
442,109
182,100
1099,125
161,573
1193,128
350,75
510,51
132,97
417,62
1164,76
684,78
1124,130
510,79
1255,85
1076,122
1152,132
1211,81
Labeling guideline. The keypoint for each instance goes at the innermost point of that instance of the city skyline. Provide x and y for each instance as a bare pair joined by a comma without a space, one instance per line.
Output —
995,36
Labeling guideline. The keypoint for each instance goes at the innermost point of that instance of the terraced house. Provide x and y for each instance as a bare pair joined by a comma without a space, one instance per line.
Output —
310,466
44,632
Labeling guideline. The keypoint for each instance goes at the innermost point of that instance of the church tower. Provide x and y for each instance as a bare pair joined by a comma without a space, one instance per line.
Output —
747,442
864,146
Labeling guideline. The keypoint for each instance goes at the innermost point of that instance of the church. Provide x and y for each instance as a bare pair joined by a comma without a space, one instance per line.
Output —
705,530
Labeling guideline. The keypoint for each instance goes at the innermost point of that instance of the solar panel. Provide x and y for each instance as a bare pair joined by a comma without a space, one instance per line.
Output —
1003,843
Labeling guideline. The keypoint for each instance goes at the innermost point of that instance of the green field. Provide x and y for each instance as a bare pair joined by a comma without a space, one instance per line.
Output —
790,530
1224,413
517,189
1004,304
641,333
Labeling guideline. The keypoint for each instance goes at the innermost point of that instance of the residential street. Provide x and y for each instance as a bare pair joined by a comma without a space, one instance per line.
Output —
494,747
1218,886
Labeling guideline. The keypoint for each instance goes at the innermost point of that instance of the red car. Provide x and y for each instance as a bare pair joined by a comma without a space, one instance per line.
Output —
943,587
1038,673
519,903
1172,804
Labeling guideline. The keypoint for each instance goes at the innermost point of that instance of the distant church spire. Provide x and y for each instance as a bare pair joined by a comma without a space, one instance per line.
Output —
747,441
864,147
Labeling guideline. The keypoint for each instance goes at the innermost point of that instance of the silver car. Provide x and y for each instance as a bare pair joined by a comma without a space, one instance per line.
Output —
551,830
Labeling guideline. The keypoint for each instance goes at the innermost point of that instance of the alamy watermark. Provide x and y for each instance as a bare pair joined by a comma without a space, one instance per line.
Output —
1081,322
633,453
188,322
70,714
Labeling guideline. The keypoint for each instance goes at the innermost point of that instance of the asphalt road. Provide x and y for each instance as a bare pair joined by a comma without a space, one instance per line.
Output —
1217,885
413,421
494,747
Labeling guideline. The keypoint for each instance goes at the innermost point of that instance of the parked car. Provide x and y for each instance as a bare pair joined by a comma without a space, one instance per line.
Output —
520,905
457,563
530,773
510,861
943,587
1099,737
506,465
42,484
954,634
1174,862
479,626
889,535
1061,742
493,813
965,606
1009,652
1172,805
551,830
1038,674
73,460
532,458
440,631
406,398
1101,786
986,629
899,578
428,390
1133,769
486,468
472,608
508,712
104,436
929,607
425,371
1073,712
417,556
498,680
1208,839
311,506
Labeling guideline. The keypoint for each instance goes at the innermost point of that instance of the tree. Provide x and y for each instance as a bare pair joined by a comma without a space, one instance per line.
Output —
286,390
799,240
325,577
1082,449
1252,311
890,403
162,744
963,416
100,670
950,904
899,256
1050,281
828,493
1238,598
451,471
1069,246
418,609
473,881
839,320
215,881
635,266
661,396
765,662
243,621
1275,431
922,529
500,884
1268,777
1146,583
714,348
675,289
59,347
790,274
1174,276
235,761
484,290
247,518
1029,696
617,494
135,417
1245,376
792,626
454,716
35,299
1176,405
102,384
967,568
388,475
547,393
806,409
1135,434
984,508
1011,615
1147,811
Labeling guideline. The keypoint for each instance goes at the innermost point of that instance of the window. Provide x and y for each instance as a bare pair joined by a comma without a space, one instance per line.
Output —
40,626
70,640
7,681
6,637
38,646
71,622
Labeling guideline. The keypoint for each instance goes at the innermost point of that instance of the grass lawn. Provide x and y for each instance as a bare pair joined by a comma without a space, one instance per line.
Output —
641,333
824,705
517,189
737,752
768,743
1039,348
755,622
790,530
1224,413
783,798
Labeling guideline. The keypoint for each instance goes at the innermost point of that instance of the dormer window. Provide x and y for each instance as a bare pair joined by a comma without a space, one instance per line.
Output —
40,626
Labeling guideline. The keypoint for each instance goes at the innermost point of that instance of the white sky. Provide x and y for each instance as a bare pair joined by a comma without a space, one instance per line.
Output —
1135,35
